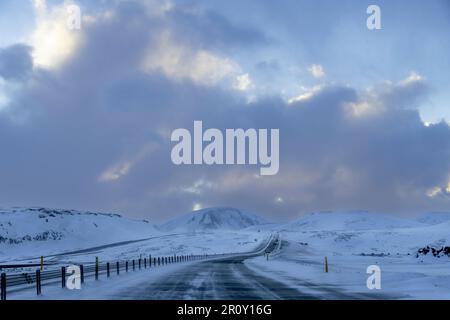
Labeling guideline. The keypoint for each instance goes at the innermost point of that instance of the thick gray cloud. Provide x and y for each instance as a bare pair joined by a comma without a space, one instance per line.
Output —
15,62
95,134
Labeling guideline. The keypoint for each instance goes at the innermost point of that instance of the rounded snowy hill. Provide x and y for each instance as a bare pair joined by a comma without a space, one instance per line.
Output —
214,219
434,217
45,230
356,220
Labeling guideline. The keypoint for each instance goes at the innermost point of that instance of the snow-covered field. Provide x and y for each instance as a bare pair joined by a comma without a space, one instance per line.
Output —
351,241
64,237
31,232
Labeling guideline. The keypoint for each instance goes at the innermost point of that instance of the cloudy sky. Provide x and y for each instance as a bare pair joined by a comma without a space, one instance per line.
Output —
86,115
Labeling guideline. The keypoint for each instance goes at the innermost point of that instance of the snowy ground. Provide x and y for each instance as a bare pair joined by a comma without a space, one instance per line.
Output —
350,241
69,237
402,277
26,233
162,245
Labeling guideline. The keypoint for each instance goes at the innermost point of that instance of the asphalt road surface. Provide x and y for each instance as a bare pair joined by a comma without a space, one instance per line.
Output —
230,279
227,279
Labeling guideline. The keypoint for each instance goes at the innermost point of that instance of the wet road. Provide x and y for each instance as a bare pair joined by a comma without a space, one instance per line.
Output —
227,279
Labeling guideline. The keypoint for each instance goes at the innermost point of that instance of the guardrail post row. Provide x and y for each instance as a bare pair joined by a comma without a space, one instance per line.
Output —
3,286
107,269
63,277
38,281
81,273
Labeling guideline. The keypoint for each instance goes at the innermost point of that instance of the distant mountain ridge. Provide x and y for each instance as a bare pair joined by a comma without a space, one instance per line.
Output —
214,219
350,220
434,217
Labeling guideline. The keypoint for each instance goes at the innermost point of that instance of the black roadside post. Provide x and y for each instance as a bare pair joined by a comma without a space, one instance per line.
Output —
82,273
150,261
126,266
139,263
159,261
3,286
63,277
134,265
145,263
107,269
154,262
38,282
96,268
118,267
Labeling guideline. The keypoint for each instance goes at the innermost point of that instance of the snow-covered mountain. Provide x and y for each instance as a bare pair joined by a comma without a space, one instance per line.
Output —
52,230
357,220
434,217
214,219
367,233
